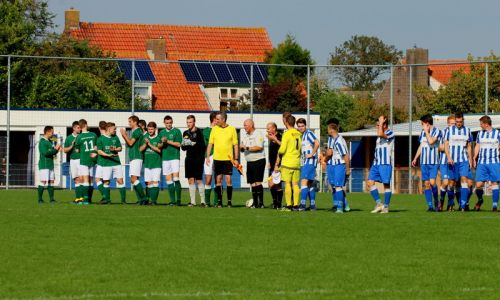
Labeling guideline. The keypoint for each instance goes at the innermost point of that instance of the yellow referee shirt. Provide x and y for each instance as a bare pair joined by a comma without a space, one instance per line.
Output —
223,140
290,148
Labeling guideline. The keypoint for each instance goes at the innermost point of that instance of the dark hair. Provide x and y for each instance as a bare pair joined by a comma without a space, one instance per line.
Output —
333,126
152,124
212,116
167,117
75,123
141,123
103,125
82,123
47,129
459,115
135,119
110,124
286,114
191,117
427,119
301,121
333,121
290,120
485,119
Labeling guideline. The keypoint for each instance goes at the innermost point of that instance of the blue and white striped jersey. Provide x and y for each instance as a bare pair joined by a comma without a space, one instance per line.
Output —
488,142
339,148
457,142
443,160
429,154
308,139
383,149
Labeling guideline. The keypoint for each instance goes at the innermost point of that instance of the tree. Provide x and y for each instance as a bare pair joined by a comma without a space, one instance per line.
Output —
50,83
332,104
363,50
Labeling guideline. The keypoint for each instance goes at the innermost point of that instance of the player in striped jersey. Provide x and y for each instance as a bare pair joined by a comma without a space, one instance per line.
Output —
459,153
337,165
428,151
381,170
309,161
488,166
443,169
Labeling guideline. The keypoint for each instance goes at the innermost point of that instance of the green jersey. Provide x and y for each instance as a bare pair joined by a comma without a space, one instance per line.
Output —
47,154
206,137
152,159
134,151
170,152
85,144
70,140
106,143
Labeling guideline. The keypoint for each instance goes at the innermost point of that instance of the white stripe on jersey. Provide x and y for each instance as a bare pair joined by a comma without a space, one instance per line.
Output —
457,143
429,153
443,160
488,142
339,148
383,149
308,139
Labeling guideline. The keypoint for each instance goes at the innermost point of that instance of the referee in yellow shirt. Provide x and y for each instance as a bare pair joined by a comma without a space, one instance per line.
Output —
290,162
224,141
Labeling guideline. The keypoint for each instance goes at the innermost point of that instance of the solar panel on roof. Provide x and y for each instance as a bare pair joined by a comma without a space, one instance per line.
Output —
238,73
207,73
222,72
143,71
257,77
190,71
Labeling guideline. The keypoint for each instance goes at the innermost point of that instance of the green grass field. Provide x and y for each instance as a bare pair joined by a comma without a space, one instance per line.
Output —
66,251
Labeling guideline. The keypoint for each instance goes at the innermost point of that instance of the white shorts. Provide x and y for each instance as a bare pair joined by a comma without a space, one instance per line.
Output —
115,171
73,167
98,171
152,174
46,175
86,170
209,169
135,167
171,166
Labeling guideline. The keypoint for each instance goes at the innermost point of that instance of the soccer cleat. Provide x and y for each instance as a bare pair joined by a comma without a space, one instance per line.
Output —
191,205
494,209
347,208
339,211
219,204
286,208
104,202
378,208
40,202
431,209
85,202
52,201
302,208
229,204
295,208
466,207
203,204
450,208
385,210
477,207
439,207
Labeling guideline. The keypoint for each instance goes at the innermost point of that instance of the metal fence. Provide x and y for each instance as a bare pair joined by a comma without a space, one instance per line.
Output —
395,90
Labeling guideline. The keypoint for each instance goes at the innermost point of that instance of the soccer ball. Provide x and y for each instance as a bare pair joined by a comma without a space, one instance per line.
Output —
249,203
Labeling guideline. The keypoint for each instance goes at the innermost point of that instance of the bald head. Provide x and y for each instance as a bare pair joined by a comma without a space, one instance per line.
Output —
249,125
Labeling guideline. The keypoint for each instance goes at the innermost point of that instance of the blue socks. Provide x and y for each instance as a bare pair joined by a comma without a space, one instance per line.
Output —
428,197
387,198
304,190
375,194
451,196
464,192
495,196
312,196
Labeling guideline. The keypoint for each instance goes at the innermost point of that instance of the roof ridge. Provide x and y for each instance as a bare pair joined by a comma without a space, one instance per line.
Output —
174,25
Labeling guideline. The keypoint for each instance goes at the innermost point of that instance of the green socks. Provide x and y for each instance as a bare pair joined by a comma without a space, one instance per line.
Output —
123,193
171,192
50,189
139,191
154,191
40,193
177,184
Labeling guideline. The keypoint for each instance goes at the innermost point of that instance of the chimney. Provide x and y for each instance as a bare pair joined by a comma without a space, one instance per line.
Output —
157,49
71,19
419,56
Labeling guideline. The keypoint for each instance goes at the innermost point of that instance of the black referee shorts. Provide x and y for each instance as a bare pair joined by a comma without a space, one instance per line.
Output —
255,170
223,167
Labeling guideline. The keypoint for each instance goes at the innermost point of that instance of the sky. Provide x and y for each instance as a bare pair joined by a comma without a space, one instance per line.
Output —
449,29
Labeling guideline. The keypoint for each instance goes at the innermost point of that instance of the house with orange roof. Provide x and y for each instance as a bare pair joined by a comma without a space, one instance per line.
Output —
429,73
195,67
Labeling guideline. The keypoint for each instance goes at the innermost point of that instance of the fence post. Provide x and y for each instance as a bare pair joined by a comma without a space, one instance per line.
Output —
251,91
391,120
308,93
486,92
7,159
133,87
410,126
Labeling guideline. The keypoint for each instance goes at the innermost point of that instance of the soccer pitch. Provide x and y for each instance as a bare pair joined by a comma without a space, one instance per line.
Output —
66,251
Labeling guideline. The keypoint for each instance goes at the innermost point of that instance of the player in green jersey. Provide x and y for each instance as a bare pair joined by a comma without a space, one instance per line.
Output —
108,147
171,155
98,167
152,161
86,145
74,157
208,169
135,155
46,163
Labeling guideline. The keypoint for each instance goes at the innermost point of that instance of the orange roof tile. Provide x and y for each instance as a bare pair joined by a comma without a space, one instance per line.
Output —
171,91
444,72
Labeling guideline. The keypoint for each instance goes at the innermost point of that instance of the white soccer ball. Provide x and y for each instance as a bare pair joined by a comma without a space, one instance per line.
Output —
249,203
